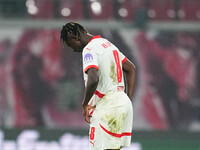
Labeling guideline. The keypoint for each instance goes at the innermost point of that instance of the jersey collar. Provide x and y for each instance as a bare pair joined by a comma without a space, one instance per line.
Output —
95,37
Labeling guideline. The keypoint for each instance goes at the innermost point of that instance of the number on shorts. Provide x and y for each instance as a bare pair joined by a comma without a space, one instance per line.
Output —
119,70
92,133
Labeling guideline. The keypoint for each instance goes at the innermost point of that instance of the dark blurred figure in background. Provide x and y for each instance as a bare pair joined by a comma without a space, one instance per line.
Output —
30,89
166,88
191,42
171,68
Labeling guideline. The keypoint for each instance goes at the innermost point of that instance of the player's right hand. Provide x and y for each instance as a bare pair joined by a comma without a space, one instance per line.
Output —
86,110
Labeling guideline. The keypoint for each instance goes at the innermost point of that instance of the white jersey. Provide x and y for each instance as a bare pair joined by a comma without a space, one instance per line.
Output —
101,54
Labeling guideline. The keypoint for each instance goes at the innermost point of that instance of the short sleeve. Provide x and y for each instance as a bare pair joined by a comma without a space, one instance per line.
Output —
90,60
122,57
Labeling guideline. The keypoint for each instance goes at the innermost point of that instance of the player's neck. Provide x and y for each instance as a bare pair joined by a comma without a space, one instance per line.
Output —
86,38
90,36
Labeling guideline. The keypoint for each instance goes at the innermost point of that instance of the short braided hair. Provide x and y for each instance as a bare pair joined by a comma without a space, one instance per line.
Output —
73,29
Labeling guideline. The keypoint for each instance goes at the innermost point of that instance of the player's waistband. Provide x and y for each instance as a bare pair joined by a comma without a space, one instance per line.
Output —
101,95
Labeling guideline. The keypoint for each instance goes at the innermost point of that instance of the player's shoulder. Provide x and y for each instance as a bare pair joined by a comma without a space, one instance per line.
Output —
96,42
94,46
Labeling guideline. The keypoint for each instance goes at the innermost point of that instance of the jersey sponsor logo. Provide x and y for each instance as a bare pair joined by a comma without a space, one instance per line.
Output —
88,58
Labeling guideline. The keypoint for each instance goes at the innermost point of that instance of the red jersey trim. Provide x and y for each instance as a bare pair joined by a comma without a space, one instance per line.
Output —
91,66
123,61
91,105
115,134
95,37
100,95
91,113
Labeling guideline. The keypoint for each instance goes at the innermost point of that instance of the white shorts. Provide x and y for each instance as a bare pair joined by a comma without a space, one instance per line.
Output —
111,122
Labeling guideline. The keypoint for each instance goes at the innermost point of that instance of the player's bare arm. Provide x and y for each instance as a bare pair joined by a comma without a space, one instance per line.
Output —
92,83
129,69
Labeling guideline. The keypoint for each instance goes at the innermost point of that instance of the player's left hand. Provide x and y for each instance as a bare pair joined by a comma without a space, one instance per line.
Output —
86,114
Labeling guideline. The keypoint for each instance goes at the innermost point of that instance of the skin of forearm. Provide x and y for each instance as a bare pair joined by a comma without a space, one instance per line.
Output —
89,92
90,89
130,77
